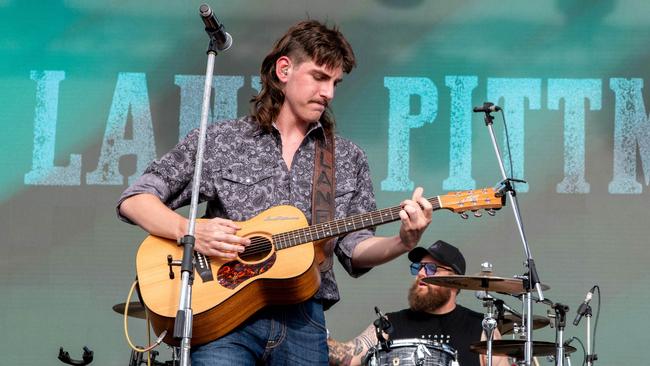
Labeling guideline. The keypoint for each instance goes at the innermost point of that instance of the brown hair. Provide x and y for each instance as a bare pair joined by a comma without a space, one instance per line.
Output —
307,40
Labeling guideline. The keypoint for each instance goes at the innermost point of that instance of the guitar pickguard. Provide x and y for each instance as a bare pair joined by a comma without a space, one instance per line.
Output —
232,274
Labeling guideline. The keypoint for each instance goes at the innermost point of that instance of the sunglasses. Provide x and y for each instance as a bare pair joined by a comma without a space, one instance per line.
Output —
429,268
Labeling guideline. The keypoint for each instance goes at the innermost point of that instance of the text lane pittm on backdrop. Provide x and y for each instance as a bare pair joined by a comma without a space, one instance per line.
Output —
131,100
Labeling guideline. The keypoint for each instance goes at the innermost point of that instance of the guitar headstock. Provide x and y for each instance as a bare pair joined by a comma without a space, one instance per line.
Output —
473,200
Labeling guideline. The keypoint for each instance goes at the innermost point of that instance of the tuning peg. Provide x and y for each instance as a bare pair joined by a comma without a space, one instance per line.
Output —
464,216
477,214
491,212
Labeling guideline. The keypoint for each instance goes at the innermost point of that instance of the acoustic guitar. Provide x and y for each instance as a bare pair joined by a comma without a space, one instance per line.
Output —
278,267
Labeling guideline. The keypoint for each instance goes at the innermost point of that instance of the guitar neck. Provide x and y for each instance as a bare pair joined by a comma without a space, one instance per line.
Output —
340,227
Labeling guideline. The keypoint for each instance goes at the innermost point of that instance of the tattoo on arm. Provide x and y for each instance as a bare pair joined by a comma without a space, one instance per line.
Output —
358,347
339,353
351,353
368,337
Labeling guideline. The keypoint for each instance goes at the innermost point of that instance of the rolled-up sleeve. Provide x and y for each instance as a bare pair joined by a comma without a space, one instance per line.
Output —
362,201
168,178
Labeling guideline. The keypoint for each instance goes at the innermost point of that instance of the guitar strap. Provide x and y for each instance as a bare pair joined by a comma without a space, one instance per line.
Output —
322,198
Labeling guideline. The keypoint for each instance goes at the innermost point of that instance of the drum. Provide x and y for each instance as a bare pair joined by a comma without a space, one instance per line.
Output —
411,352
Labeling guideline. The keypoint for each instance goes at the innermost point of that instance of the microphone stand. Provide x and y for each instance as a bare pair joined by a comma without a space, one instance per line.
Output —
560,324
533,279
183,323
589,358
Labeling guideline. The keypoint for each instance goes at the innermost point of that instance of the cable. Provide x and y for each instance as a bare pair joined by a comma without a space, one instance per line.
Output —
582,345
505,127
126,329
593,340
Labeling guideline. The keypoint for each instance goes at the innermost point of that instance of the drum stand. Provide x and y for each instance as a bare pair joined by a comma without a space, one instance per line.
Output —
533,281
489,325
560,323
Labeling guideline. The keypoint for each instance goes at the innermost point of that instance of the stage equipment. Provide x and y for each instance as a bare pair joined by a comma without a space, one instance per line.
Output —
219,41
515,348
513,323
585,310
531,278
86,358
136,309
481,281
382,326
411,352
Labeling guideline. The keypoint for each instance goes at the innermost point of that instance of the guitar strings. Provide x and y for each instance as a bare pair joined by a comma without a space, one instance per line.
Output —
304,235
320,231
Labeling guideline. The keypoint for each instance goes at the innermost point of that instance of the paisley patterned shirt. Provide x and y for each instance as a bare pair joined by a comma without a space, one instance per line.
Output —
244,174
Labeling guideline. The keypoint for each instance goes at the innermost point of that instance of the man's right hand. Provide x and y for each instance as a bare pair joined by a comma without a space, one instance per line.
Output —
216,238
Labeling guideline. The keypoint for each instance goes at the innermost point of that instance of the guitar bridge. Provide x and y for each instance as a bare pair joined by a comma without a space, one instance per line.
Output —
202,267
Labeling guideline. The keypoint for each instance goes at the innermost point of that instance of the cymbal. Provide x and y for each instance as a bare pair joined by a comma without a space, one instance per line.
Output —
509,321
512,286
515,348
136,309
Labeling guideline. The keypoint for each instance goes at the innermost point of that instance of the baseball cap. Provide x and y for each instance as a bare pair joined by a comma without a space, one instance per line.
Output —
443,252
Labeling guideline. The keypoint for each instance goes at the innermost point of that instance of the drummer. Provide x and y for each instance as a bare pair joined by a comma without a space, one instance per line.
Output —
432,313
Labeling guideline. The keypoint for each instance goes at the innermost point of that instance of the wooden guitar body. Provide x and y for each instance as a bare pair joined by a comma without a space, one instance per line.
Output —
239,288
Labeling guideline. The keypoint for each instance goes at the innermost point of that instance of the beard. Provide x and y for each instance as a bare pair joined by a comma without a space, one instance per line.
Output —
429,301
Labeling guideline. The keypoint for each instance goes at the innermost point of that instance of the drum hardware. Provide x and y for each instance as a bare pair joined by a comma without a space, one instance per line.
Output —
489,324
412,352
136,309
566,355
482,281
510,320
560,324
513,323
515,348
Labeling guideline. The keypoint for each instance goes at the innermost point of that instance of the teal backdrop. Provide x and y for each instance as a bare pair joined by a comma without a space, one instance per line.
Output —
91,91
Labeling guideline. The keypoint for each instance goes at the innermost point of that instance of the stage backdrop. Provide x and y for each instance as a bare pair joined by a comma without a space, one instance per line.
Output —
92,91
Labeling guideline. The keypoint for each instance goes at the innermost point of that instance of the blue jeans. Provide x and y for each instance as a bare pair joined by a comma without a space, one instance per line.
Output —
279,335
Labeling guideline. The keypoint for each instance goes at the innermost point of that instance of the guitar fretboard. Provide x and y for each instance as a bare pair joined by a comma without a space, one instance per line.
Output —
341,226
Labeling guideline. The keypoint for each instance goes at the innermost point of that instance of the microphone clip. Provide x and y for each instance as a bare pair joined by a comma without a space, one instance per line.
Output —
487,108
382,326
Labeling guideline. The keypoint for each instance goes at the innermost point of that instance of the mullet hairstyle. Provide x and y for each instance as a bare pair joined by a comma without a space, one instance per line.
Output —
308,40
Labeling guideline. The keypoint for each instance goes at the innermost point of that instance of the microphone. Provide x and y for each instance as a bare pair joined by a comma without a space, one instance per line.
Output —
382,322
487,107
215,30
582,310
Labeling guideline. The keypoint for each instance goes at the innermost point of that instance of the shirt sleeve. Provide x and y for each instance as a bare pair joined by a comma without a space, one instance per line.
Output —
168,178
363,200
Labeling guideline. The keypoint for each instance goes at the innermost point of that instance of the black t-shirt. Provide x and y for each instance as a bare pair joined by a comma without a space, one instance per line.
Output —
458,328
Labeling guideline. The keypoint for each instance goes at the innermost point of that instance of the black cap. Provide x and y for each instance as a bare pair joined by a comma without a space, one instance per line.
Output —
444,253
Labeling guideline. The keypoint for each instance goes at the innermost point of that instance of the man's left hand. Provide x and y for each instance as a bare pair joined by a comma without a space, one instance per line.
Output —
416,216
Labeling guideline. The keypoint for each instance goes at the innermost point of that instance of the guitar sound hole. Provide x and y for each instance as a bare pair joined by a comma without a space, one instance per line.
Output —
257,250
